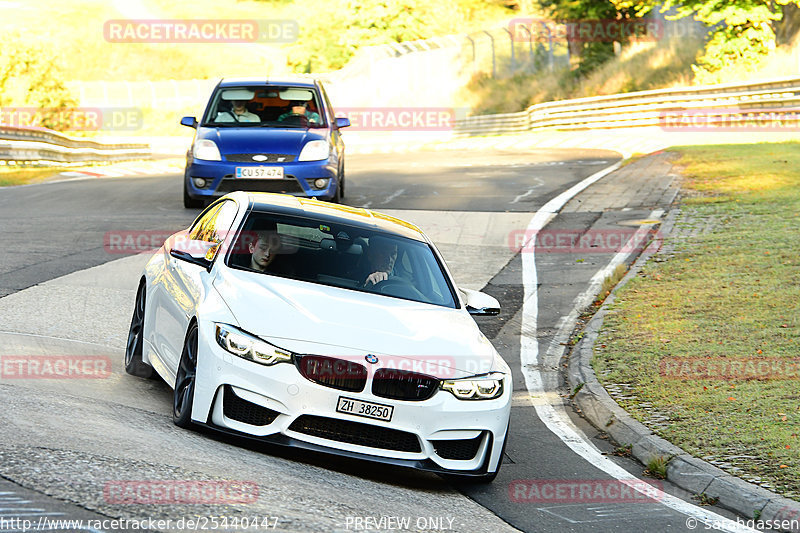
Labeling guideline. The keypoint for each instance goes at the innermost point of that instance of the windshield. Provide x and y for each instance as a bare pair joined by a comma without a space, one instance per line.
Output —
267,106
342,256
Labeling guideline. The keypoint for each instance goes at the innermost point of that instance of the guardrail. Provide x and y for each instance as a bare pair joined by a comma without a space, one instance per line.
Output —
727,103
42,146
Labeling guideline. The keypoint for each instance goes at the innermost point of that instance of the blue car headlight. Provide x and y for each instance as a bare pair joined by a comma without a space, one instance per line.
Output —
486,387
248,347
315,151
206,150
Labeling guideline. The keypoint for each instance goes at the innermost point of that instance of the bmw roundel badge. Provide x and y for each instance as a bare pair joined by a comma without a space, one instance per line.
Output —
371,358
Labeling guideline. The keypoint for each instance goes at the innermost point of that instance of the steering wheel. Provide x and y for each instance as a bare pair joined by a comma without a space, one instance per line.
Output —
295,120
398,287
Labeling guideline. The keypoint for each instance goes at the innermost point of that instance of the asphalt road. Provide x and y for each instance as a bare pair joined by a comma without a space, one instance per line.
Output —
69,439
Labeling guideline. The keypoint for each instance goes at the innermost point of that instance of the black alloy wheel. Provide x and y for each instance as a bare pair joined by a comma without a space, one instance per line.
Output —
133,349
183,397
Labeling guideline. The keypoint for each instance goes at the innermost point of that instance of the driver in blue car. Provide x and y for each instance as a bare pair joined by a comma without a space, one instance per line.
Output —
378,262
300,108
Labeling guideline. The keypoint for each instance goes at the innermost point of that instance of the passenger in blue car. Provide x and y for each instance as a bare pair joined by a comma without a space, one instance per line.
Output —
299,109
238,113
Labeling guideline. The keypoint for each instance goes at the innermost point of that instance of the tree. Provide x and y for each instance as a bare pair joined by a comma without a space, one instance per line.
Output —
741,31
31,77
591,54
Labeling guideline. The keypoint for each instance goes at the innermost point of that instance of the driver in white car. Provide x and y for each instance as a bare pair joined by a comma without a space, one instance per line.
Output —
379,261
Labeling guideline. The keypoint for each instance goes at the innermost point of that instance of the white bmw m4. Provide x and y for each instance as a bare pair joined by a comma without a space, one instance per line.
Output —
324,327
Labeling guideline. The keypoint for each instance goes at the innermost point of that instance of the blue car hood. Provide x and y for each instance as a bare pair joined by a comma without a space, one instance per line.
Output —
261,140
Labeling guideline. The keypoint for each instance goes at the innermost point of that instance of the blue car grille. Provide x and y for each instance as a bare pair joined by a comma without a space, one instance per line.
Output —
270,158
290,185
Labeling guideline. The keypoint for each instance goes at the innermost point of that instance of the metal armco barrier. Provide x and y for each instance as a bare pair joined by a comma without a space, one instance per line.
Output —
728,103
46,146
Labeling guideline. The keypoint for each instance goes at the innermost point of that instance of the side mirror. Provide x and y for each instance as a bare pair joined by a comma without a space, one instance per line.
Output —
342,122
199,253
189,122
479,303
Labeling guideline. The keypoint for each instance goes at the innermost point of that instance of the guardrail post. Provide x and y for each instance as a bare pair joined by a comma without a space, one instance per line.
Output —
551,59
494,66
511,42
530,45
474,60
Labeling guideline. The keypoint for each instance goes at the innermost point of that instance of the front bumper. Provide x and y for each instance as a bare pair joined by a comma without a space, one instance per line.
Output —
298,179
277,404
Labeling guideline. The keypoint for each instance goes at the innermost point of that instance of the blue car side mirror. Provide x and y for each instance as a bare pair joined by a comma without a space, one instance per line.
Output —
342,122
190,122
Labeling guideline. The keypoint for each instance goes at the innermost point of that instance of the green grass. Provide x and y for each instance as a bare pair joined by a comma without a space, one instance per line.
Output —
23,176
730,292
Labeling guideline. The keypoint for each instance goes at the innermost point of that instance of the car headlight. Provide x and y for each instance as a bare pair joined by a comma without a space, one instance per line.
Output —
315,151
486,387
206,150
249,347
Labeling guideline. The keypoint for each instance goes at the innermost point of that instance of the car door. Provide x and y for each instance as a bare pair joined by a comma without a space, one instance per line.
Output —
186,282
336,135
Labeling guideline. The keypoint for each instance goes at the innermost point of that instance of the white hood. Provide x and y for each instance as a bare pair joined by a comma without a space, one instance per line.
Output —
310,318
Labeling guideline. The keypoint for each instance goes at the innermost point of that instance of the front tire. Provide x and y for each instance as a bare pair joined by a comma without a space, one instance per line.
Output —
337,197
134,365
183,396
188,201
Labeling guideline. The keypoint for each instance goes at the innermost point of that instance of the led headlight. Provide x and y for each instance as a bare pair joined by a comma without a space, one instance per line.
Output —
249,347
486,387
206,150
315,151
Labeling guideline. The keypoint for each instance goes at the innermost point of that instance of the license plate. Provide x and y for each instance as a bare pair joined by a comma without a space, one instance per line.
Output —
365,409
260,172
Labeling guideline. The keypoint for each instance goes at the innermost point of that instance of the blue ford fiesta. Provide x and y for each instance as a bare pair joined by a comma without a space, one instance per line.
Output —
265,136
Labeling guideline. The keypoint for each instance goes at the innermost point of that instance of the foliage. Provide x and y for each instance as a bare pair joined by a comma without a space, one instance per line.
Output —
742,31
591,54
30,76
639,68
331,37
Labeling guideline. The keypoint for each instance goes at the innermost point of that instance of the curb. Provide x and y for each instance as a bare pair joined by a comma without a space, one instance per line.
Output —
684,470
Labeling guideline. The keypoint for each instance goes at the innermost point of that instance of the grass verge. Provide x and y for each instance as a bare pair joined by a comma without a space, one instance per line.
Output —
22,176
724,288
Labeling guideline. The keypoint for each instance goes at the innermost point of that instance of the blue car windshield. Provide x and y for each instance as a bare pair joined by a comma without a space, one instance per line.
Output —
265,106
343,256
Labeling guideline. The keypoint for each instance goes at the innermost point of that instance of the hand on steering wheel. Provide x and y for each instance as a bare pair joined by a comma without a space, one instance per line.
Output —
375,278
